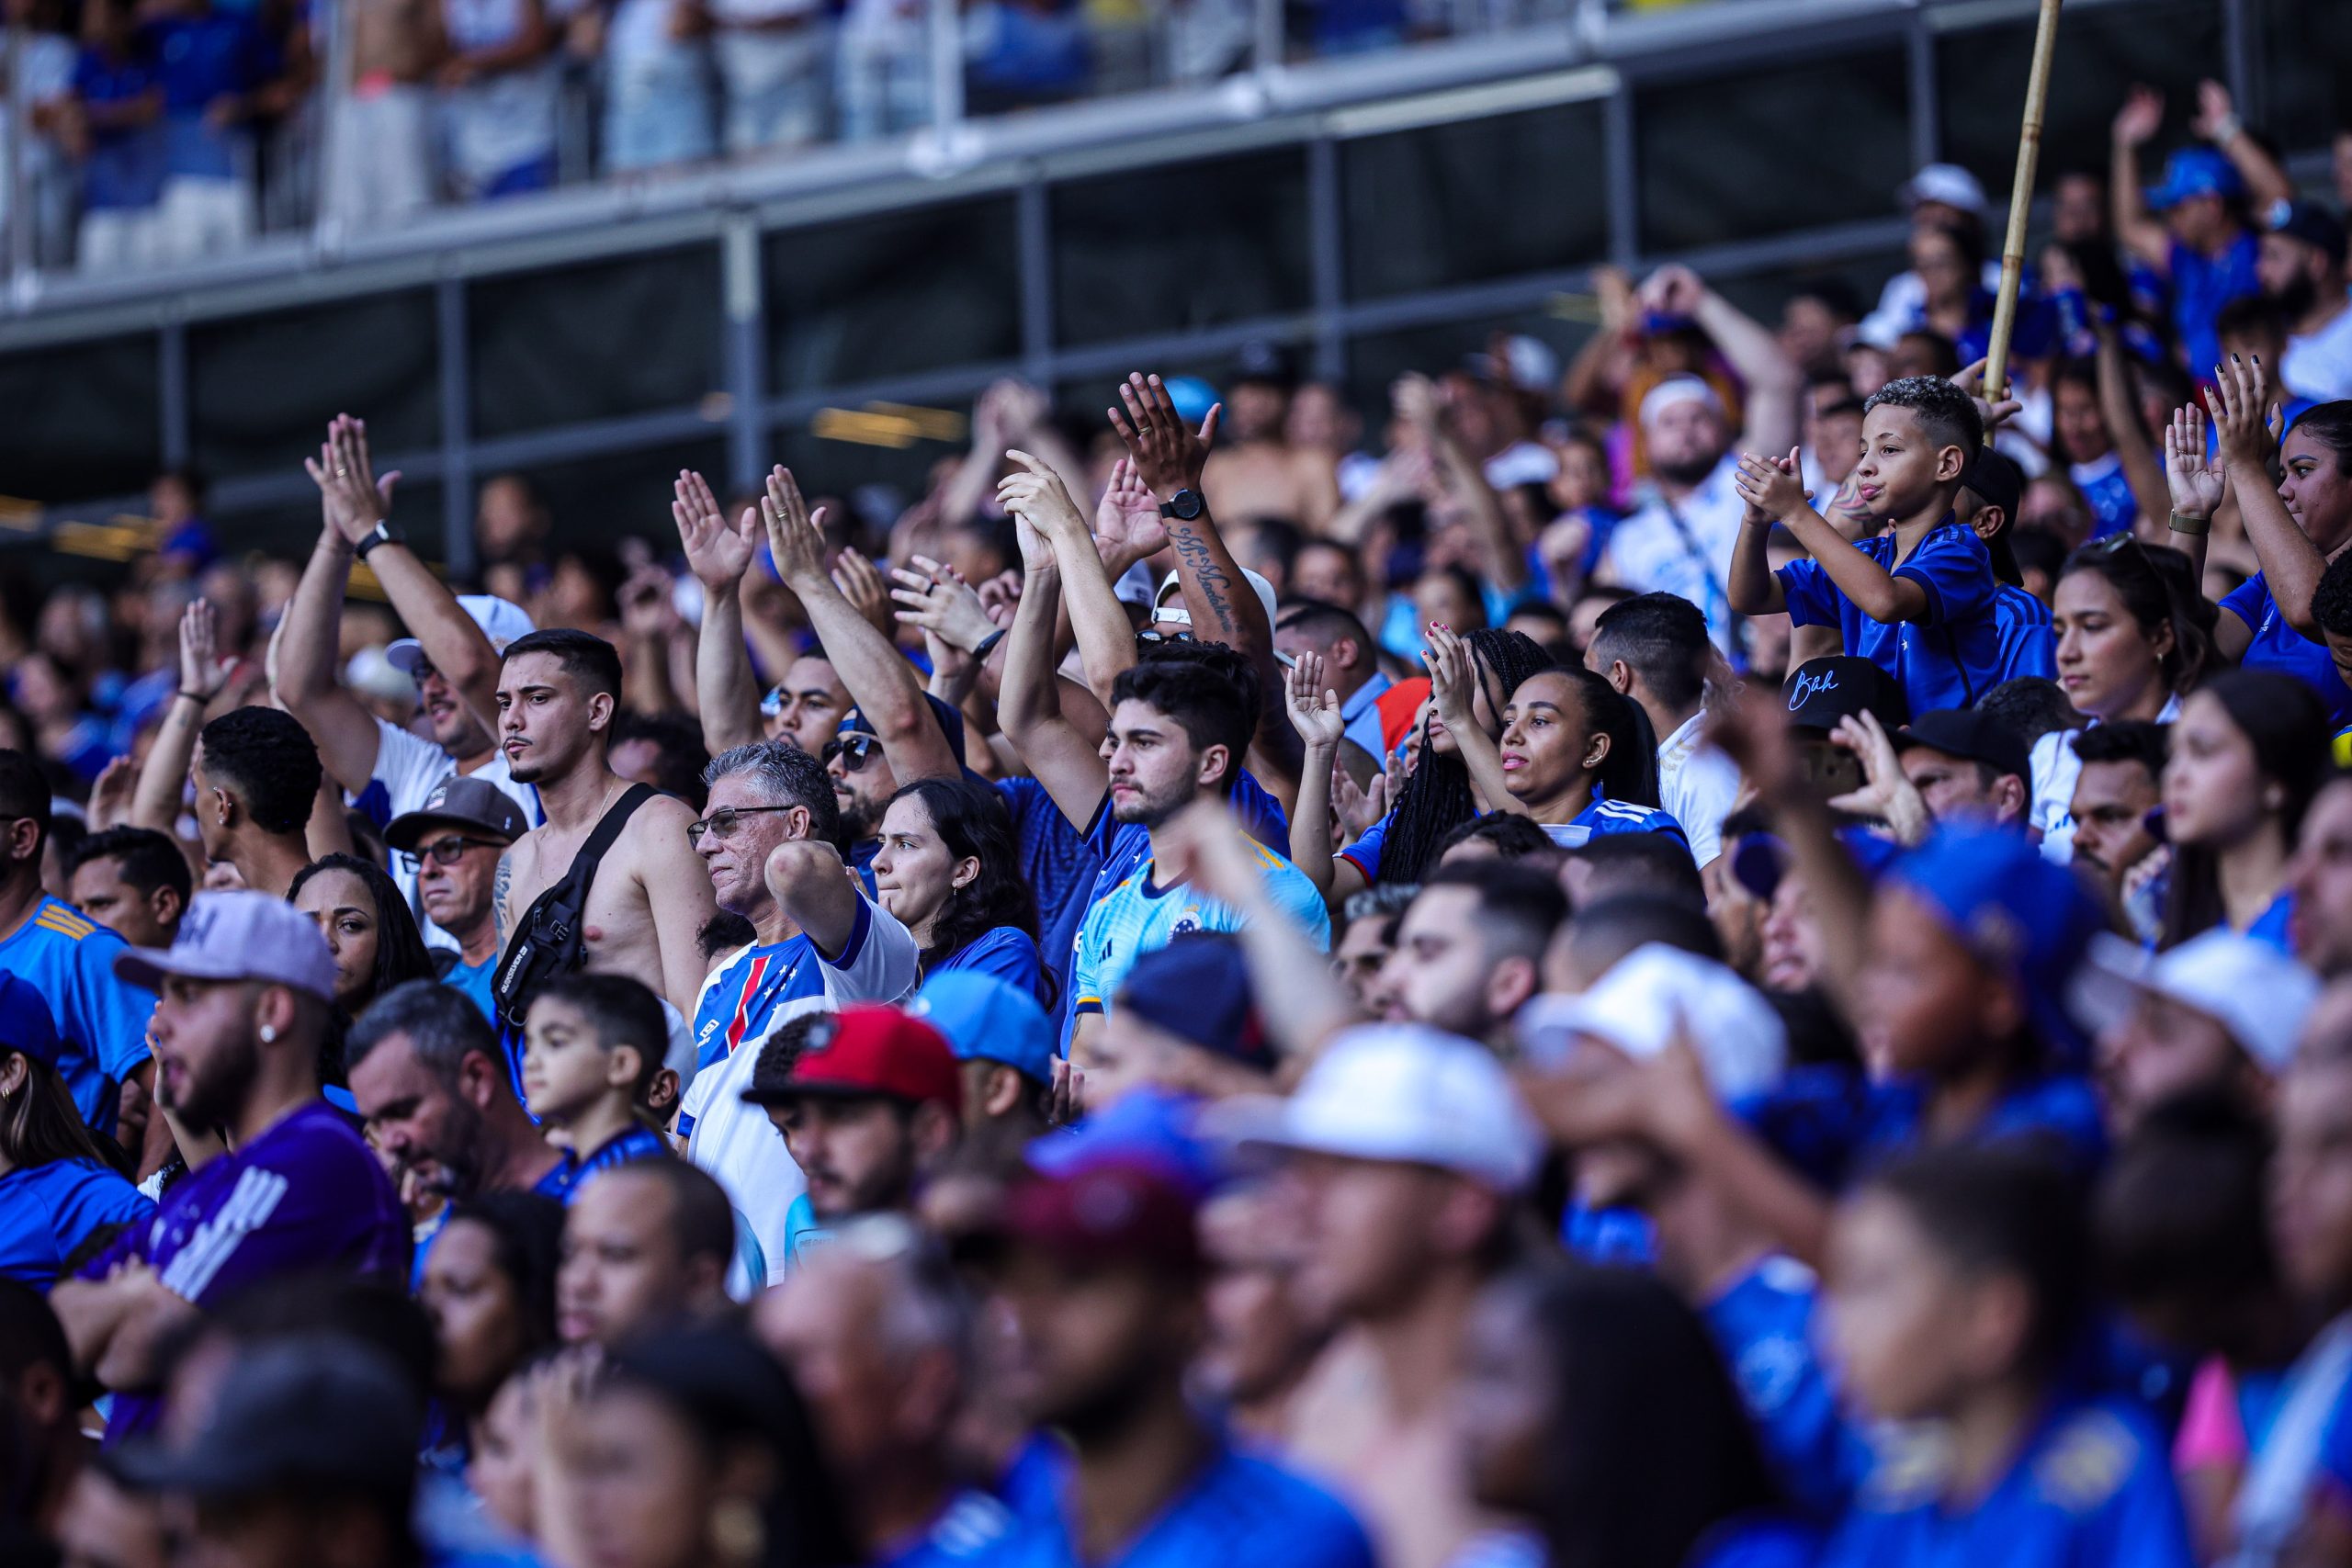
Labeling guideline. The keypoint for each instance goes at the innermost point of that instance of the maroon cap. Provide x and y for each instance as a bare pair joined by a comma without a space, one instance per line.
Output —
1108,1211
868,1051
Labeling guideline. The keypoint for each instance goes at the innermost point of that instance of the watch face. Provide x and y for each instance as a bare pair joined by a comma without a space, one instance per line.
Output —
1185,504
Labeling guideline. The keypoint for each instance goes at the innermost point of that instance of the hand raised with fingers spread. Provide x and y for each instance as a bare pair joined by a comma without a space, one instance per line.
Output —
716,554
1357,809
2239,400
795,539
1314,708
345,473
2196,483
1038,493
203,674
1971,381
942,604
1168,454
862,586
1127,518
2141,116
1452,678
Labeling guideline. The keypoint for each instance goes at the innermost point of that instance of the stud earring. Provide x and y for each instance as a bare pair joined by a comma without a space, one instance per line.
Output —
269,1034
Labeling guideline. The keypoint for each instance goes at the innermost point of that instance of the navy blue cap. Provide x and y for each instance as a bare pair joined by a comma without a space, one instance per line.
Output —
25,1023
951,723
988,1019
2021,915
1197,988
1761,859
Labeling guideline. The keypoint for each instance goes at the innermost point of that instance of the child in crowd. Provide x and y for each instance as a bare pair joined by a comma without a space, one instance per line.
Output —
593,1047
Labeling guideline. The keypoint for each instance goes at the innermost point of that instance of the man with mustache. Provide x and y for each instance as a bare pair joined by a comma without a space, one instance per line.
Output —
247,991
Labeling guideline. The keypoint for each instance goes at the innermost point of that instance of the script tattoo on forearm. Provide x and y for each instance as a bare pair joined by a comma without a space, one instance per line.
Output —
500,886
1210,578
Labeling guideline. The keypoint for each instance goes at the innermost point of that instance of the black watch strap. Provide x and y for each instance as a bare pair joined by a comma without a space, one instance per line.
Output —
1185,505
382,534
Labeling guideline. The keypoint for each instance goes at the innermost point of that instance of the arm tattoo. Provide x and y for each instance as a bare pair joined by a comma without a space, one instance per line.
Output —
499,888
1211,579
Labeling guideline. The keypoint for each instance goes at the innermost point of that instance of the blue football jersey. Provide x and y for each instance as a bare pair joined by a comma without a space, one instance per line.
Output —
48,1210
69,958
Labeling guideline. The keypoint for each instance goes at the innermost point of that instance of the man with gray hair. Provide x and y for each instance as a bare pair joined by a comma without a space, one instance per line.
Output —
876,1332
425,1068
766,839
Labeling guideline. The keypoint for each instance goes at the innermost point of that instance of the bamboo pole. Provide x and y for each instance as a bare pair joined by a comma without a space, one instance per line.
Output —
2005,308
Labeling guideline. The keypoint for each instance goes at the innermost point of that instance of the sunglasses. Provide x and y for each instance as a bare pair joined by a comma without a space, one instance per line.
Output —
721,824
443,851
853,750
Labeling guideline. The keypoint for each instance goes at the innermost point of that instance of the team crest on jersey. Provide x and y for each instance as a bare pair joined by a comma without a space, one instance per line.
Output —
2086,1461
1190,920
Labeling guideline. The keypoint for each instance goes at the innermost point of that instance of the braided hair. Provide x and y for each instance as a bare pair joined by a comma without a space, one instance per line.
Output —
1436,799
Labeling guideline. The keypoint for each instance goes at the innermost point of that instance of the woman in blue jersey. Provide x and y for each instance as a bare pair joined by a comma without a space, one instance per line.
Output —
949,868
1956,1296
1577,756
57,1182
2248,754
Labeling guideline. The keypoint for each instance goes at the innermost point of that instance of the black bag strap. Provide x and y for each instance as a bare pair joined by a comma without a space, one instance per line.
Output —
546,941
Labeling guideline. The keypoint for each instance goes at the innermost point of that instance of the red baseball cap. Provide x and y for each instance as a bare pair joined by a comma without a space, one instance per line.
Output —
1110,1211
865,1052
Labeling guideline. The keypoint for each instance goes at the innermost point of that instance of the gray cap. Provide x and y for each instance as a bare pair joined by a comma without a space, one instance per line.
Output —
459,802
238,936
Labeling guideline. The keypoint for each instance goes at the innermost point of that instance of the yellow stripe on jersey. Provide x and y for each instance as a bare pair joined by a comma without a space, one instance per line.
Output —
65,923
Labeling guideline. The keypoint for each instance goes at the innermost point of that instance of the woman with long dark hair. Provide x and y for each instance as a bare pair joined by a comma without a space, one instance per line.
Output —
2135,635
1593,1404
1435,798
367,926
1577,756
489,1287
949,868
2248,754
58,1180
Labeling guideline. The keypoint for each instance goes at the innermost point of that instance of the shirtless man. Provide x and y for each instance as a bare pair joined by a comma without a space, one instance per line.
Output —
1254,472
381,150
557,691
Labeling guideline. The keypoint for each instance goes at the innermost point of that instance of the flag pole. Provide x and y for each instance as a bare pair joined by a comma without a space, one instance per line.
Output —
2005,308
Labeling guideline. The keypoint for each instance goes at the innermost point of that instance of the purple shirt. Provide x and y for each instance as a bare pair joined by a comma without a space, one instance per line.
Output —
304,1196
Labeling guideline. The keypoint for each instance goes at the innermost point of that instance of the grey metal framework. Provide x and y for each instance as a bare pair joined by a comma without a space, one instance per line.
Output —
1628,68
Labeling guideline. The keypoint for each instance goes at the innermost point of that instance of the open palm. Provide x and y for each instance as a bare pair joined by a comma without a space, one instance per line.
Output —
716,553
1314,708
2196,482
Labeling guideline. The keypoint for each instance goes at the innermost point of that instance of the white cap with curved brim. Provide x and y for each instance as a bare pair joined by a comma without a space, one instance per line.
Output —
1164,610
238,935
501,620
2247,985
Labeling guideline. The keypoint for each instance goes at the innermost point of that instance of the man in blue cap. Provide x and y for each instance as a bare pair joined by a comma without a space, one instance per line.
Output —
1004,1048
2199,239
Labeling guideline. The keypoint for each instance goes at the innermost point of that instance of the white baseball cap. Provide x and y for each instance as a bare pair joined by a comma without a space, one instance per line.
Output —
1677,389
1946,183
1164,610
1404,1093
2249,988
1648,994
501,620
240,935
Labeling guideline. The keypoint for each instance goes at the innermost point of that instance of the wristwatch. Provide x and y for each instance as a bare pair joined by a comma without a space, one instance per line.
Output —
382,535
1184,505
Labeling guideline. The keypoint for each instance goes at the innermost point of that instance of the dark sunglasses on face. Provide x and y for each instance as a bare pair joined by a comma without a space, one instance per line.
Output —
853,750
442,851
721,824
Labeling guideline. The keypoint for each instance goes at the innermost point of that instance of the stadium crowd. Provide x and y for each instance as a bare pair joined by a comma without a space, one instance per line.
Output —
1684,961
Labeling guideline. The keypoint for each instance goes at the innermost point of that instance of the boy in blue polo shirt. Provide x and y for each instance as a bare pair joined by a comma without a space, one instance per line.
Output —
1919,603
594,1042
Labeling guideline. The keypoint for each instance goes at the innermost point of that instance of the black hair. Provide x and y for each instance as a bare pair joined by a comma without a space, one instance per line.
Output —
679,755
1316,542
1608,929
701,1218
1818,1033
1317,615
378,1312
788,775
1662,637
527,1231
1514,836
2332,601
2032,706
2158,587
622,1011
1658,864
40,1125
2181,1217
2287,725
1947,415
23,791
2256,315
2035,549
1213,706
2330,425
1835,294
444,1026
586,659
149,860
1942,354
772,1068
2126,741
1629,773
1436,796
66,832
1651,1450
2004,1208
269,760
401,954
1519,908
1463,579
971,820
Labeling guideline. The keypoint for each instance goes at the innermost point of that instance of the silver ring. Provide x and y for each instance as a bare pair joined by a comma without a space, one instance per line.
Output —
342,473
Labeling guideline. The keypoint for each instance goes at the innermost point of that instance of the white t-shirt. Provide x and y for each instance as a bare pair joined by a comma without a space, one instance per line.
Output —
737,1143
2056,770
411,768
1648,553
1696,784
2320,367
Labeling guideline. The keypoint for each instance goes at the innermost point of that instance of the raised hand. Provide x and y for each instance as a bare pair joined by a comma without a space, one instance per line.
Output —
1971,381
1452,678
2239,399
202,672
110,797
1770,486
348,492
940,602
716,554
1038,493
1314,708
648,612
2141,116
795,539
1357,809
2217,117
1416,401
2197,483
1673,290
860,584
1887,793
1168,454
1127,518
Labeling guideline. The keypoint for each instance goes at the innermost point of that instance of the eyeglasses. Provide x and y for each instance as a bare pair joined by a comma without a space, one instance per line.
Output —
853,750
1150,635
445,851
721,824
